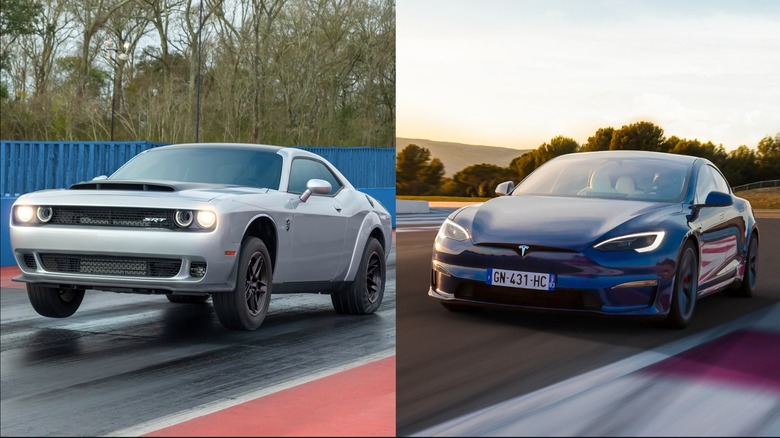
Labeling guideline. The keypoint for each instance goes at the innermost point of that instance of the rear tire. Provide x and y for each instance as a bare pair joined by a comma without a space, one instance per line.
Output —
365,294
747,286
187,299
54,302
686,286
245,307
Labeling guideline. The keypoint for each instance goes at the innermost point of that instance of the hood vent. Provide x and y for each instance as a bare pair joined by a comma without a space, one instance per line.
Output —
122,185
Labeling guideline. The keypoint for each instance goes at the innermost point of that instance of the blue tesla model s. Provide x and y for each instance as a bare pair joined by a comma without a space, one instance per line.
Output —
624,233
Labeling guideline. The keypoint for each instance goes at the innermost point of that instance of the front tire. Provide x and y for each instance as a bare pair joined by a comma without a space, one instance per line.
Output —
245,307
54,302
686,286
365,294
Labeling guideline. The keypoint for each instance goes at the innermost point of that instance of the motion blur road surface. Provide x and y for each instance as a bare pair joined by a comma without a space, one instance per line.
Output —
452,364
123,362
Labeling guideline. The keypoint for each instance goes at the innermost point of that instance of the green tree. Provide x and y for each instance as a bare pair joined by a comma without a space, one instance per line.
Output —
740,166
769,157
599,141
480,180
643,136
716,154
416,173
17,18
530,161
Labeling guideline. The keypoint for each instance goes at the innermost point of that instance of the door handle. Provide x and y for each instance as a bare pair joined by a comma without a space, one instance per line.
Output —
722,215
338,208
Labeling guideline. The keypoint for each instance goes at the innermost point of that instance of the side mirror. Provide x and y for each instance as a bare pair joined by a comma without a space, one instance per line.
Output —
99,178
317,187
504,188
718,199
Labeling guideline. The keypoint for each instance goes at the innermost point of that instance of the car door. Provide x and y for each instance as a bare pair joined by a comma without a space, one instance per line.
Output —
318,226
722,232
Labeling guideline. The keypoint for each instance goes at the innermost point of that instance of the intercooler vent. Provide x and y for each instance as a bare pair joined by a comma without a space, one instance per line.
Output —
198,269
29,261
110,265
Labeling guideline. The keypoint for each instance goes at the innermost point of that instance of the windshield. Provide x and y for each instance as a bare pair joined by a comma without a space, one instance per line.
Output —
647,179
221,165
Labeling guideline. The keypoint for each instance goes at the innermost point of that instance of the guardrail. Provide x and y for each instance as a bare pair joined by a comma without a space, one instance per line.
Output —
757,185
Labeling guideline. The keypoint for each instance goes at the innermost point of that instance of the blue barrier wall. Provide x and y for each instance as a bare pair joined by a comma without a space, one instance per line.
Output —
27,166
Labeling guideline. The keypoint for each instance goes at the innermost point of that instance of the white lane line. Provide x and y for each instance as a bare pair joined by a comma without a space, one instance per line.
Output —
479,422
209,408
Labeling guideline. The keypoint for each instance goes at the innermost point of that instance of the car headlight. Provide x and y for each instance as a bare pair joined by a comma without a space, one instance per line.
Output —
206,219
639,242
452,230
24,213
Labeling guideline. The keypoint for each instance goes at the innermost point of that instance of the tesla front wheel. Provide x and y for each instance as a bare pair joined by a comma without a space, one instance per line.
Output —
365,294
686,286
54,302
245,307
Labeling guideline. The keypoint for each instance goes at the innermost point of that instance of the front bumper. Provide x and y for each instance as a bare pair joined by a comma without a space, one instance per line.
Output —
589,282
32,244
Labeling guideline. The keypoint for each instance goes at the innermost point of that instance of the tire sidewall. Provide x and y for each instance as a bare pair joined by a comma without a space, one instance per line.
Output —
49,301
676,317
231,307
253,245
360,287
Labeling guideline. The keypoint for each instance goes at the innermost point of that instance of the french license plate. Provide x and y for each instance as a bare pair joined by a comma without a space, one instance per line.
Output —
521,279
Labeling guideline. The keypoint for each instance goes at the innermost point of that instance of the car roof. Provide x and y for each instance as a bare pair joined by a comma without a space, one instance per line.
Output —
677,158
288,151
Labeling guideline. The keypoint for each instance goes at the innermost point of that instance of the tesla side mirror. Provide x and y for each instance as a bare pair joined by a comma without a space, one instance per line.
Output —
718,199
317,187
504,188
99,178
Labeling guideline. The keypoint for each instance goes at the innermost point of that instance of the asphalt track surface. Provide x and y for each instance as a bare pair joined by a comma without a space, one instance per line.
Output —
452,364
123,362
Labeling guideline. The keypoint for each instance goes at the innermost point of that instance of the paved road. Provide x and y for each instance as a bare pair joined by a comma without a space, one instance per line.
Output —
124,360
449,364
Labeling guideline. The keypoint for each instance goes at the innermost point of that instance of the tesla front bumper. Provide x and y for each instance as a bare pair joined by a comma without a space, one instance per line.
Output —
591,281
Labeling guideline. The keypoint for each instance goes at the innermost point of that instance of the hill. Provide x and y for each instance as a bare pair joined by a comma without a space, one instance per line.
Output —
457,156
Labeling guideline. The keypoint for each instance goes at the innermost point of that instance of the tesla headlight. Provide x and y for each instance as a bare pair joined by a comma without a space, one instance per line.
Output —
206,219
639,242
24,213
451,230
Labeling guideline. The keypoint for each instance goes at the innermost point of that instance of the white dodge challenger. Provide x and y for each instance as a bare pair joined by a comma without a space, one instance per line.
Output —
235,222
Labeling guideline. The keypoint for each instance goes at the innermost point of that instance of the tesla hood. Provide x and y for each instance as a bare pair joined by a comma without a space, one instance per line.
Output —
561,222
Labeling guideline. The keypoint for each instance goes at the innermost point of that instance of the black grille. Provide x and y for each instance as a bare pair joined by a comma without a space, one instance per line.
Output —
557,299
29,261
109,265
114,217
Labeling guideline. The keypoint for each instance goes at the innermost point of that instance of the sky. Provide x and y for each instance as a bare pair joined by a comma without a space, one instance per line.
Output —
516,73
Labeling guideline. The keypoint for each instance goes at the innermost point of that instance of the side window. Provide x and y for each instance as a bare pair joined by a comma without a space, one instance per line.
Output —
304,169
720,181
705,183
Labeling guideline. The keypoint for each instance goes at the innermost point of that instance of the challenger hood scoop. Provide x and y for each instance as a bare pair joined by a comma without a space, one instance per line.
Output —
138,186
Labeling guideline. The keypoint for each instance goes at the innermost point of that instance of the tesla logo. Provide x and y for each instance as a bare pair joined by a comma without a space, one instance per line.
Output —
523,248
